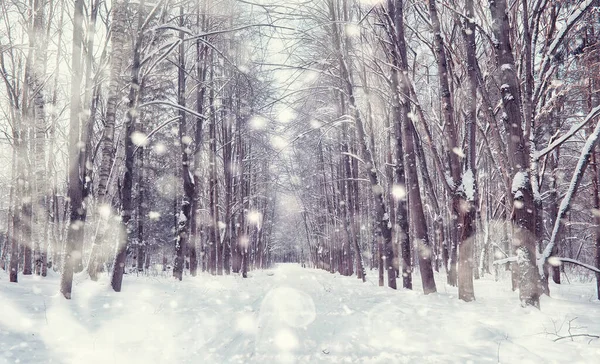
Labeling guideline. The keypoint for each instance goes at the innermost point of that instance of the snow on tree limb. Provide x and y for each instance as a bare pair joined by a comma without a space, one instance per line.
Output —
575,180
173,105
581,264
562,260
157,129
352,155
566,201
468,184
560,36
574,129
573,18
520,181
505,260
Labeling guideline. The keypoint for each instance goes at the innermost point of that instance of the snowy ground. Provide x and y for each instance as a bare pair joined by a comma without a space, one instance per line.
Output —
289,314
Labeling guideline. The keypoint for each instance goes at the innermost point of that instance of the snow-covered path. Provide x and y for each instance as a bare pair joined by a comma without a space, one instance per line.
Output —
288,314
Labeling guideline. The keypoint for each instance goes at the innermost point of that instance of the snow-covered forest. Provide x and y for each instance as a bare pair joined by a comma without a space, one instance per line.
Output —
233,181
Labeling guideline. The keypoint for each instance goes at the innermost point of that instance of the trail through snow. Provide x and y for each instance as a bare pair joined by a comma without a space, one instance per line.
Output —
292,315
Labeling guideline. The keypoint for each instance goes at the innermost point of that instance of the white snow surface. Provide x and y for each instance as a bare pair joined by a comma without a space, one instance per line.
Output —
468,184
519,181
289,314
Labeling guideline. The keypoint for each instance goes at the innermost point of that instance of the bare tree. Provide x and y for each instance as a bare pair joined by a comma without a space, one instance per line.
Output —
75,191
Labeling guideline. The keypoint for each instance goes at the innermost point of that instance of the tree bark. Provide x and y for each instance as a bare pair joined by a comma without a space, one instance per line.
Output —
381,214
38,43
126,232
118,58
183,232
468,192
75,189
400,176
523,215
406,127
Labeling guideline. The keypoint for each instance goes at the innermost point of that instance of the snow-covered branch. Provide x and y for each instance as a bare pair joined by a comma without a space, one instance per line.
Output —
570,23
577,13
562,260
575,180
351,155
581,264
505,260
574,129
156,130
174,105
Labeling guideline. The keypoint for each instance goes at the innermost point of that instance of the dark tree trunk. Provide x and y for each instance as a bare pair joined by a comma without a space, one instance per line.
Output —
14,222
126,232
399,108
406,129
216,249
523,214
183,221
141,238
468,198
381,213
555,201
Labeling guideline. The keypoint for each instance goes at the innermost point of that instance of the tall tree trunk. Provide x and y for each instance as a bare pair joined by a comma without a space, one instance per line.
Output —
405,124
38,43
196,235
450,132
418,220
126,232
227,137
467,192
555,200
381,213
118,56
439,243
25,180
596,199
75,189
238,248
142,250
523,215
53,204
244,238
216,250
187,177
593,101
400,175
14,222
